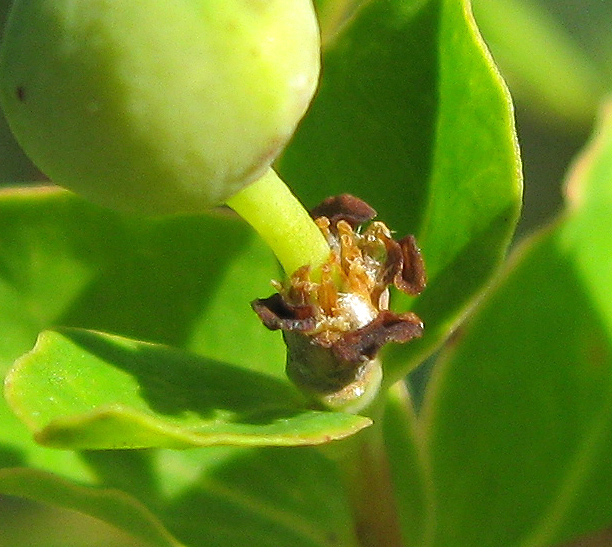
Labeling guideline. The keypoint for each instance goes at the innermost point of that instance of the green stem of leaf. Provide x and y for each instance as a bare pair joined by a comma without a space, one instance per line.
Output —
276,214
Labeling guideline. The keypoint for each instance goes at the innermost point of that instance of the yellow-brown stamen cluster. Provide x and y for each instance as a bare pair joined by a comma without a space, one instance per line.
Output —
352,288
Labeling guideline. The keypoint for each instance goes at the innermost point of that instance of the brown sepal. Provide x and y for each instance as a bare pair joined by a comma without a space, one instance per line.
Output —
276,314
393,264
412,278
364,343
404,266
344,207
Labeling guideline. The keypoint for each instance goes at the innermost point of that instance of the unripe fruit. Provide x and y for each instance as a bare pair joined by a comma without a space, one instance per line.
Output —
159,106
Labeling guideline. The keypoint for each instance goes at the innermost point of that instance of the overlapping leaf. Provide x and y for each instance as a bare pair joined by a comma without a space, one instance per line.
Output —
65,262
412,117
110,505
518,420
84,390
265,497
217,496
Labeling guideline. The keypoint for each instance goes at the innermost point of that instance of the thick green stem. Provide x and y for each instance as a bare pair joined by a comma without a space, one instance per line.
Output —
364,467
281,220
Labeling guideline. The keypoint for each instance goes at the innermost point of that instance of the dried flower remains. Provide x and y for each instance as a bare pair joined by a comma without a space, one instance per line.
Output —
335,321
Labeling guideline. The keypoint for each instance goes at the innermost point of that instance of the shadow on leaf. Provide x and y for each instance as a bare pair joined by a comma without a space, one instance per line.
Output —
173,382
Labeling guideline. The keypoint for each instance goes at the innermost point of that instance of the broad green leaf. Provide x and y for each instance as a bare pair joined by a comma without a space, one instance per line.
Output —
519,415
215,496
413,117
370,128
110,505
66,262
227,497
178,281
84,390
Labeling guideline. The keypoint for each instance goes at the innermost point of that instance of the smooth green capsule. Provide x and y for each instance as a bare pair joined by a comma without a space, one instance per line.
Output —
161,106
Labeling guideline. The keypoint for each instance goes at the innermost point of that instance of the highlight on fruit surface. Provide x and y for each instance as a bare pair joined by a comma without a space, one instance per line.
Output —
157,107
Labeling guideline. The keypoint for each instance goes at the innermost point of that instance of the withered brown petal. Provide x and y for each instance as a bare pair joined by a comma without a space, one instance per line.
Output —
412,278
364,343
276,314
344,207
393,264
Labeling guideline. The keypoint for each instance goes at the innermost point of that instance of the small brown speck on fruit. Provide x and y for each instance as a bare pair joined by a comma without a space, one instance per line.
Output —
20,92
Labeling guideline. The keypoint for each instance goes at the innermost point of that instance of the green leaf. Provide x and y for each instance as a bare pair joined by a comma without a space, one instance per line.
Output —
413,117
84,390
112,506
178,281
214,496
64,261
519,415
261,497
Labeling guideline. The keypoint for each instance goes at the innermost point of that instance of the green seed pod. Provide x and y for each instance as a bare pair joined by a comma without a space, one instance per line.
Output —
160,106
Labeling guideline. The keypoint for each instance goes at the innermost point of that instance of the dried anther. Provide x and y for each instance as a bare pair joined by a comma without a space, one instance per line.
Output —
336,321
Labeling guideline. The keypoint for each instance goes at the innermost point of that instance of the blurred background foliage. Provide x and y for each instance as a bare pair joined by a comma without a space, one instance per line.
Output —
557,60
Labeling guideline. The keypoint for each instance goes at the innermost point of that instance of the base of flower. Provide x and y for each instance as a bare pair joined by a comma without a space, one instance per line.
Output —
335,385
